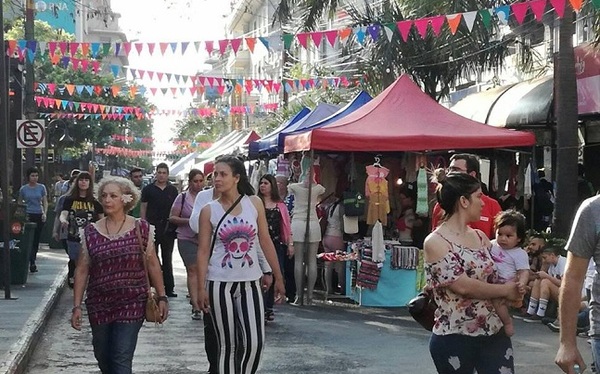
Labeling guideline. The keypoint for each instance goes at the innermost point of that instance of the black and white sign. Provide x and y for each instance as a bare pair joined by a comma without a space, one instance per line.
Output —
31,134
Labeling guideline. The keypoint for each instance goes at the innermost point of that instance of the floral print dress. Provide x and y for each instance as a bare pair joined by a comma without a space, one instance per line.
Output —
457,314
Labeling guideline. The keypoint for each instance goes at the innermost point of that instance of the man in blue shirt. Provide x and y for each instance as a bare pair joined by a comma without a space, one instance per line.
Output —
35,197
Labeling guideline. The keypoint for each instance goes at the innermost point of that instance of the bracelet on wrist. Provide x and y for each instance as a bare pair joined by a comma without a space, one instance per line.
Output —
76,307
163,298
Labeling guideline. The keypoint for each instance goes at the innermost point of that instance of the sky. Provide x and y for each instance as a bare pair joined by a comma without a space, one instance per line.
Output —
170,21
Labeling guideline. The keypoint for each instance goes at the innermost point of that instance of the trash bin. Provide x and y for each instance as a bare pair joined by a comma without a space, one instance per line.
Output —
19,254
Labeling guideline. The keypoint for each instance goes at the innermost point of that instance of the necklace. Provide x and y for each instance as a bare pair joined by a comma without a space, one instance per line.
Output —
120,227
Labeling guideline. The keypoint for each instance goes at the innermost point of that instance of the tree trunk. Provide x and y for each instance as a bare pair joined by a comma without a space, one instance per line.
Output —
565,108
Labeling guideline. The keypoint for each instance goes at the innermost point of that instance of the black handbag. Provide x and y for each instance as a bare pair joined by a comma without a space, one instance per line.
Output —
354,204
422,309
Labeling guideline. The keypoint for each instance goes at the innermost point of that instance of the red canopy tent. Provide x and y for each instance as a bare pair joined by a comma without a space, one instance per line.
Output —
404,118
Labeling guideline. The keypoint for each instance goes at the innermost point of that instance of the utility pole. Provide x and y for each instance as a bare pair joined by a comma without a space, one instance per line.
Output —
5,163
29,105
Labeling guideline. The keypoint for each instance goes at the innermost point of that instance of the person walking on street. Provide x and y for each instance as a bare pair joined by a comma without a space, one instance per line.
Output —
232,228
110,270
187,241
157,199
35,197
137,177
79,208
59,233
467,334
280,231
583,245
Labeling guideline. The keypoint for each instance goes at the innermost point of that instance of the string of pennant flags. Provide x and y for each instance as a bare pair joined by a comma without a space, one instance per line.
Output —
131,139
210,112
95,108
93,116
126,152
502,14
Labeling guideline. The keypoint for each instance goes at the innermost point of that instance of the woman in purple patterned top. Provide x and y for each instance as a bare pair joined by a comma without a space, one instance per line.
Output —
111,265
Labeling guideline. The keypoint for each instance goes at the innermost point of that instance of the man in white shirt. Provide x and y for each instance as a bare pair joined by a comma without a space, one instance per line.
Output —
546,286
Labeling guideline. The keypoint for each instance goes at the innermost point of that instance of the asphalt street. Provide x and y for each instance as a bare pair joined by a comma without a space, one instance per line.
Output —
325,338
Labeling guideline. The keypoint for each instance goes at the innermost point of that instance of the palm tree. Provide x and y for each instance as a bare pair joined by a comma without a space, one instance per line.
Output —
565,104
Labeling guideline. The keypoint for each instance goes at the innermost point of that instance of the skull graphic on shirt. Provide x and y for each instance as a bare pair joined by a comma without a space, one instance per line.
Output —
237,236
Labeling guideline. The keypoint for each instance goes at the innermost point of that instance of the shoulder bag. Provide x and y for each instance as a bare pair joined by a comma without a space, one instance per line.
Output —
422,309
152,309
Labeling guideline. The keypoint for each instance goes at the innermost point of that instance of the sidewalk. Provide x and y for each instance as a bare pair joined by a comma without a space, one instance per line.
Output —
22,321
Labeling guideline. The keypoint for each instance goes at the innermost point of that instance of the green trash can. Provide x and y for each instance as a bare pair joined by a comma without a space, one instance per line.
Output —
19,255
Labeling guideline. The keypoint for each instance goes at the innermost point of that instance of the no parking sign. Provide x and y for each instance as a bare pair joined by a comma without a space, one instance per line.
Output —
31,134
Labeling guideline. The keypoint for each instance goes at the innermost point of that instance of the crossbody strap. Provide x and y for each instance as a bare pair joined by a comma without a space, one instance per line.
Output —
214,237
138,232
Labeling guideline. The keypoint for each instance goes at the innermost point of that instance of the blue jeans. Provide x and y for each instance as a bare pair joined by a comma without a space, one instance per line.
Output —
114,345
74,248
462,354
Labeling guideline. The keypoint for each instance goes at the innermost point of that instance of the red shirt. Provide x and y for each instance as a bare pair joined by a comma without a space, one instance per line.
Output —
490,209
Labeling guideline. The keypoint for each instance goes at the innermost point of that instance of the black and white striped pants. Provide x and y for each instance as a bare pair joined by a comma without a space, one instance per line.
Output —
237,309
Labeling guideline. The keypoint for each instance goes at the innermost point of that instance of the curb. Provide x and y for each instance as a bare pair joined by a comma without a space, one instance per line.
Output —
17,358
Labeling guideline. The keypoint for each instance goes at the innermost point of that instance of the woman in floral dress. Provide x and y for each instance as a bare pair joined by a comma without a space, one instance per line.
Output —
468,334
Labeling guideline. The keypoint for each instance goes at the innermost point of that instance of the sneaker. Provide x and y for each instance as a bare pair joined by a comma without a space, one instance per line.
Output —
196,315
522,316
33,268
533,319
554,326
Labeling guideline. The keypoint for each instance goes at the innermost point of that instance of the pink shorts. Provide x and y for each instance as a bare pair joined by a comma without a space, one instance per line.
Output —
333,243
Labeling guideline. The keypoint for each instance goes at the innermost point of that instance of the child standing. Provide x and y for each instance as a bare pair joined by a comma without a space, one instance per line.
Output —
511,259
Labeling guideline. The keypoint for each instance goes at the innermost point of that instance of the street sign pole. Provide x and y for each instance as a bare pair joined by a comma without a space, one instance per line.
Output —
5,163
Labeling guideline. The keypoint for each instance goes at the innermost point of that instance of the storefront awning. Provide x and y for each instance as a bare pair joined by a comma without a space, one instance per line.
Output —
512,106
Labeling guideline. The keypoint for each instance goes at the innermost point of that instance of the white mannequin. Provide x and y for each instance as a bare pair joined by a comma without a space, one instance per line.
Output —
306,245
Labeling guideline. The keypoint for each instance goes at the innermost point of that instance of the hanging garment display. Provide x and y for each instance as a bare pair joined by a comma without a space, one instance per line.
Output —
376,189
368,272
378,243
422,193
404,257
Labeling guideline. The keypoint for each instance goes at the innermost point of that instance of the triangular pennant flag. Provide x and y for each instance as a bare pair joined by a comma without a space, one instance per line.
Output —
220,89
184,47
303,39
42,47
168,75
151,47
537,8
75,62
127,48
209,46
502,12
95,49
89,89
96,66
115,70
360,33
559,7
51,88
55,59
151,74
62,47
576,4
77,105
142,73
223,46
174,90
251,42
64,62
73,47
470,19
373,31
106,48
316,37
344,34
84,65
30,55
404,28
264,41
163,48
331,36
276,87
85,49
436,24
22,46
421,26
70,89
51,48
177,78
486,17
389,31
173,47
133,73
160,75
520,11
139,47
153,90
98,90
115,89
79,89
275,42
235,44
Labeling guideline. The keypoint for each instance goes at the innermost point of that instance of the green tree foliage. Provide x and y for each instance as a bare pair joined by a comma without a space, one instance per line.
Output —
87,131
